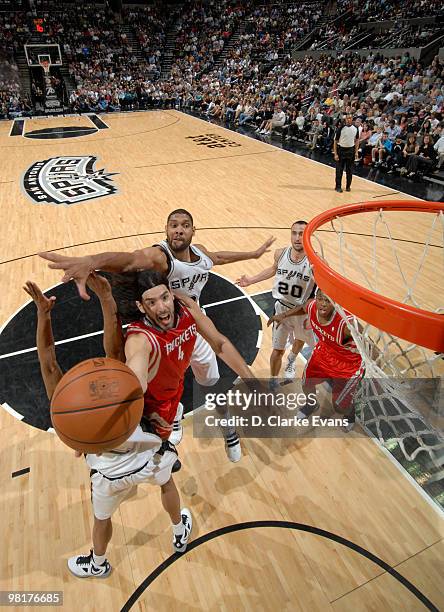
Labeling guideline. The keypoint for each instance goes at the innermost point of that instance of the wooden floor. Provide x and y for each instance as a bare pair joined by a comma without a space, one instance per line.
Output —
239,195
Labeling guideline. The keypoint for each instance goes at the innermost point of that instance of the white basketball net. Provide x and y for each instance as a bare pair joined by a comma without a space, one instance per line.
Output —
395,402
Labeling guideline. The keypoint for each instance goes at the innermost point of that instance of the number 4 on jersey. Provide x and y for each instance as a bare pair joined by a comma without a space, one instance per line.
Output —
180,353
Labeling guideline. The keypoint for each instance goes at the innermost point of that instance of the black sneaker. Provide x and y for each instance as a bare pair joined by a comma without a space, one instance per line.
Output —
338,189
180,542
177,466
83,566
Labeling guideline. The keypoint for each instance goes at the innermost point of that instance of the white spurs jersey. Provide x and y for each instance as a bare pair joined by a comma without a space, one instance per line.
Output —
188,277
130,456
294,282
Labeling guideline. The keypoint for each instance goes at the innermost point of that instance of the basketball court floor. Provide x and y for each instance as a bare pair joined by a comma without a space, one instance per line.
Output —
299,524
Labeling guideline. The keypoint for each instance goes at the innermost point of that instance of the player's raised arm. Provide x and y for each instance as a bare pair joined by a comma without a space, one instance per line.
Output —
79,268
246,281
137,353
112,329
50,369
220,258
218,342
291,312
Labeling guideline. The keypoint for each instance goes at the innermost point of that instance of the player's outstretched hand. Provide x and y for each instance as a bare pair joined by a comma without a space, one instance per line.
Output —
243,281
75,268
43,303
265,248
278,318
100,286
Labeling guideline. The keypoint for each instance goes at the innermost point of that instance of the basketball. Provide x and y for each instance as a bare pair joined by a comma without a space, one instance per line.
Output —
97,405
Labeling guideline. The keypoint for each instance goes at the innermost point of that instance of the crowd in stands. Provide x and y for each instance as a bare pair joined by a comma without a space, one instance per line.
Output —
338,34
305,99
383,10
396,103
277,28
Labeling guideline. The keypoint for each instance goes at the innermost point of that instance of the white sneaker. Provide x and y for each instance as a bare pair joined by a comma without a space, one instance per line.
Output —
290,368
83,566
180,542
233,448
177,433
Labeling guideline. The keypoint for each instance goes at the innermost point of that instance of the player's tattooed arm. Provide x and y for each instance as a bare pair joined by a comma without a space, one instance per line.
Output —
79,268
112,329
246,281
219,258
49,367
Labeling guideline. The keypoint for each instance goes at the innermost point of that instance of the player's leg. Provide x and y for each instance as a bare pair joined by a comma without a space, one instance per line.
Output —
101,535
343,393
290,366
301,335
314,374
161,474
206,372
181,520
280,335
105,501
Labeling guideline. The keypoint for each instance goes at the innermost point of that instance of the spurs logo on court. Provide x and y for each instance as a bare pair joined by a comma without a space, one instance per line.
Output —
67,180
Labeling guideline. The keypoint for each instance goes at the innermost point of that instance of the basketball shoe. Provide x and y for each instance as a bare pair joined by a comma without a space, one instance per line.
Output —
233,447
83,566
177,433
290,368
180,542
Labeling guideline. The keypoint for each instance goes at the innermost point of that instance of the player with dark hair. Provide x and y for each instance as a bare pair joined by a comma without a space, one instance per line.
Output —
160,345
115,474
187,268
158,349
335,358
293,287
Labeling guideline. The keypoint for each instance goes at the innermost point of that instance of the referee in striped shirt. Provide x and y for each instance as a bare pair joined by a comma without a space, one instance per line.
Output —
345,151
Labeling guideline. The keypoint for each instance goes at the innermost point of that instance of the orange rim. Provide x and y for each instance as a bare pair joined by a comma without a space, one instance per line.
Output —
412,324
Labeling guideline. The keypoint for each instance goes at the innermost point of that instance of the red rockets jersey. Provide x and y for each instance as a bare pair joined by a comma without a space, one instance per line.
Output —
169,359
331,338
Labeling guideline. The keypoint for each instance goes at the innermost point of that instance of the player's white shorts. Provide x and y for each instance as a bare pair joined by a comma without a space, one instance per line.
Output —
291,329
107,495
204,363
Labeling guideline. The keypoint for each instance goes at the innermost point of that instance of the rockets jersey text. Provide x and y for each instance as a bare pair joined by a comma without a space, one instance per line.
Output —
331,335
169,359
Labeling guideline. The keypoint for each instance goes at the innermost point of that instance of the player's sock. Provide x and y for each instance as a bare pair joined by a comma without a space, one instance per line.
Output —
179,528
99,559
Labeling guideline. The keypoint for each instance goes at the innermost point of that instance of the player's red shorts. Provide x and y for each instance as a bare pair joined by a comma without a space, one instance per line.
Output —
161,413
342,375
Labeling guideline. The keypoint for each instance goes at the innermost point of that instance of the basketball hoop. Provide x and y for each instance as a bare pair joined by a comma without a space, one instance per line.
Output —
400,341
408,322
